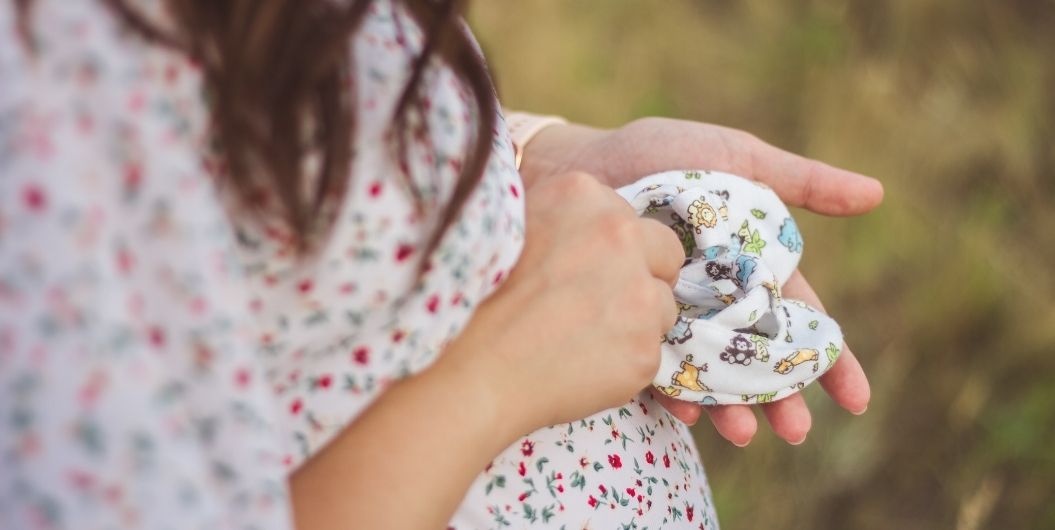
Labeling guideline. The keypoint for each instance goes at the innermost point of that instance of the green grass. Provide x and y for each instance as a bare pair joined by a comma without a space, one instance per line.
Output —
945,292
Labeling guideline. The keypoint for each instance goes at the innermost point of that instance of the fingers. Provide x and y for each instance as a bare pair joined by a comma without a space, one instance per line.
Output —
845,382
663,250
790,418
687,413
668,306
811,184
735,423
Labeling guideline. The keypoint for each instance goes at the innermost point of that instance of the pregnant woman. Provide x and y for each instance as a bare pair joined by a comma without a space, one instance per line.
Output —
273,265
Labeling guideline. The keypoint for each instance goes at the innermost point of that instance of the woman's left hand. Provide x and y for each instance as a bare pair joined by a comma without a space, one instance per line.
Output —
651,145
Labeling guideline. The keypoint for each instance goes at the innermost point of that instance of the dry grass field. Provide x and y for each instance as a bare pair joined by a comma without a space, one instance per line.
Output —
945,292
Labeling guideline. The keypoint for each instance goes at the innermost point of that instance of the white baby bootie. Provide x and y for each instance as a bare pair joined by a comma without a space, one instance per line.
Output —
736,339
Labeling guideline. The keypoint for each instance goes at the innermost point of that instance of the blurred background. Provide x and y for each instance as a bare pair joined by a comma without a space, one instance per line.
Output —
945,292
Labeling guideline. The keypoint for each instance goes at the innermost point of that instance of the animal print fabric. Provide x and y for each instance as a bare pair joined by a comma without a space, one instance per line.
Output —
737,339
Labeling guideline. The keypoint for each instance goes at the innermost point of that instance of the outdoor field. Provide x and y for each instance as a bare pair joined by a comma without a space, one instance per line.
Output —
945,292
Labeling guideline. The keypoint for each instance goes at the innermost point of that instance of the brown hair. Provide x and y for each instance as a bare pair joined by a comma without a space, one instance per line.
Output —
278,73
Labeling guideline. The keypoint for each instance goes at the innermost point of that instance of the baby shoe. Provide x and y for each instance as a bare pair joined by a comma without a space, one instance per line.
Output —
736,339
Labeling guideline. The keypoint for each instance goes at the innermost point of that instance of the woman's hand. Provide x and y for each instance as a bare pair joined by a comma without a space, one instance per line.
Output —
576,327
651,145
574,330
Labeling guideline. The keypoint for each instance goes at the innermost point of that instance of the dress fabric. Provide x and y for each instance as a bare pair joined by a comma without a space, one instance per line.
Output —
165,363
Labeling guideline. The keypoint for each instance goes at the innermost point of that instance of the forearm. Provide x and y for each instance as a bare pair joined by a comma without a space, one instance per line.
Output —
425,438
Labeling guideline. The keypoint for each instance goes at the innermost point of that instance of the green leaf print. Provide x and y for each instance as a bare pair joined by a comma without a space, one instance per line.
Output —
497,482
578,480
529,513
833,353
761,347
541,462
766,398
813,324
693,175
547,513
755,243
759,214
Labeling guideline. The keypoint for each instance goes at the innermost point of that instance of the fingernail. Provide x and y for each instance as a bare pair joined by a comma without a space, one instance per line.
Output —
859,412
740,445
799,442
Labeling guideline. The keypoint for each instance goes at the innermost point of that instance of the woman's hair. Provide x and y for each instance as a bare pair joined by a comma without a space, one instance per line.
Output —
278,74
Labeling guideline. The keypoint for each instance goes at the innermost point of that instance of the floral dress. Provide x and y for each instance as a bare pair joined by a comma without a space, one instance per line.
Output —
165,365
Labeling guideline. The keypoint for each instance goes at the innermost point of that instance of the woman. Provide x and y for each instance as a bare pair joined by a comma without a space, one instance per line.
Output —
258,271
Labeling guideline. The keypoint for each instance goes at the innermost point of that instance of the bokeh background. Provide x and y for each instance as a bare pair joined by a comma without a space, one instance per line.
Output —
945,292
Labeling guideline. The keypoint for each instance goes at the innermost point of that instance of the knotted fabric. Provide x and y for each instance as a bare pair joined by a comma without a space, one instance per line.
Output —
736,339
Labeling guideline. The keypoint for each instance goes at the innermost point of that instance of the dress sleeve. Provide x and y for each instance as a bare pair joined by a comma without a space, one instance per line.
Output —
129,392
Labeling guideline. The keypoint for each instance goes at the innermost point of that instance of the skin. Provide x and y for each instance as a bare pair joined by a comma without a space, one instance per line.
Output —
651,145
581,271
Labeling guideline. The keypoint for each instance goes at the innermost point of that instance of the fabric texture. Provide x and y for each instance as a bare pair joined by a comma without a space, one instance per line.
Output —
164,364
736,339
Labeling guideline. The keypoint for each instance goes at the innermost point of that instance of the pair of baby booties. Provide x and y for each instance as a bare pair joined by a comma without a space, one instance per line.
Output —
737,340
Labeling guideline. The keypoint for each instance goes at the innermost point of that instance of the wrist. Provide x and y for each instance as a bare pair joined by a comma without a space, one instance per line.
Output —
547,145
558,149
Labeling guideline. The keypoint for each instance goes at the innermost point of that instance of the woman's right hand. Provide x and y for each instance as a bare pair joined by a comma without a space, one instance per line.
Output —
576,328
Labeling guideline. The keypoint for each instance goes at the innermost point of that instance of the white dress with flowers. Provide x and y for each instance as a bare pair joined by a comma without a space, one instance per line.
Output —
165,366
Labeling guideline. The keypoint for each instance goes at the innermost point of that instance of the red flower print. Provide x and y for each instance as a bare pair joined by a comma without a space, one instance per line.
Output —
583,462
156,336
666,461
603,489
34,198
513,189
80,479
592,501
125,261
527,447
615,434
522,469
630,492
689,512
403,251
498,277
241,378
560,488
325,381
305,286
375,189
296,406
523,496
614,461
361,355
398,335
433,303
133,177
650,458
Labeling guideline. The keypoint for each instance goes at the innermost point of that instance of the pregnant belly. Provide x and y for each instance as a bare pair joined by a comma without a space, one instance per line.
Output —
632,465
